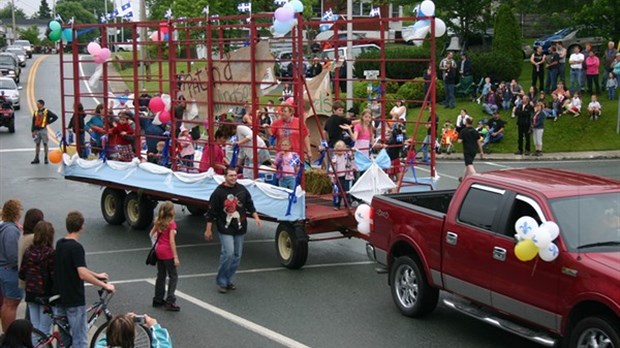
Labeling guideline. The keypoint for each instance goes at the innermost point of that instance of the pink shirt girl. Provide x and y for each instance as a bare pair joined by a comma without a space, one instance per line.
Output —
163,249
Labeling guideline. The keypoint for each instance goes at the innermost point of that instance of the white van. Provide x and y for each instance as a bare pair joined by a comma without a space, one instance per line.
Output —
355,51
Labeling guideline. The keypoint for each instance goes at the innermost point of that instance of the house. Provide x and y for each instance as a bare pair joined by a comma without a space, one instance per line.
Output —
6,26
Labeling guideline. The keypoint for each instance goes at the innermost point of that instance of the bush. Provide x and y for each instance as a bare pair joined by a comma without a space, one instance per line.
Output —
506,38
414,91
397,70
486,64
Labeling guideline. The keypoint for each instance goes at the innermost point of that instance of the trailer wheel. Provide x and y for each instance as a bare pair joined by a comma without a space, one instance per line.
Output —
411,292
291,245
138,211
112,201
196,210
596,331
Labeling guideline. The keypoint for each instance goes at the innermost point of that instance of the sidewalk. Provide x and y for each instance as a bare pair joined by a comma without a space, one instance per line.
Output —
556,156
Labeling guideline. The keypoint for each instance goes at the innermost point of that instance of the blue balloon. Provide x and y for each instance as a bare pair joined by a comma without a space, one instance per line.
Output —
282,27
298,6
67,34
421,24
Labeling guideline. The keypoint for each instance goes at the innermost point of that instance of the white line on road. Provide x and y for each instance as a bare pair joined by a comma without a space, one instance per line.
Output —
30,149
261,330
494,164
118,251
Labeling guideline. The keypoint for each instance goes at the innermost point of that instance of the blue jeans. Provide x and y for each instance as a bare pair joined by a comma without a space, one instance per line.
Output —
611,93
552,80
493,139
39,319
489,108
288,182
76,316
9,283
575,80
450,97
550,113
230,257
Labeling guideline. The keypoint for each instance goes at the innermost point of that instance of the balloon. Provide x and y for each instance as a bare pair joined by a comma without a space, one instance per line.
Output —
67,35
98,59
362,213
55,35
55,156
298,6
427,8
421,24
284,14
550,253
156,104
525,227
526,250
541,237
440,27
55,25
363,227
281,27
93,48
553,228
164,116
167,100
418,35
105,53
155,36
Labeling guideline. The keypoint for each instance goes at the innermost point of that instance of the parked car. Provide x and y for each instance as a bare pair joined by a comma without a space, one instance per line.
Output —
571,37
26,45
9,66
19,52
125,46
11,91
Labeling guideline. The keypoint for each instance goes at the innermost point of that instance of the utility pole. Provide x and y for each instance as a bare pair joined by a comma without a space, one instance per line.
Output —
142,37
14,36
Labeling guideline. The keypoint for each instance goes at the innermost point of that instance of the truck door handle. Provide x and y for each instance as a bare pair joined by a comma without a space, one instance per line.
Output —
452,238
499,253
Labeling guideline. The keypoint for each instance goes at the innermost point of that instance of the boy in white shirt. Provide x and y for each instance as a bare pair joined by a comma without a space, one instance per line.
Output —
594,108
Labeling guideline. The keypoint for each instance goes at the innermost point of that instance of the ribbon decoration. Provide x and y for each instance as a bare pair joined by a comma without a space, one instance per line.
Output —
322,154
411,160
104,144
363,162
292,197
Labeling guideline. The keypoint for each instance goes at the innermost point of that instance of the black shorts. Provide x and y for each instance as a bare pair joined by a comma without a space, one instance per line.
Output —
469,158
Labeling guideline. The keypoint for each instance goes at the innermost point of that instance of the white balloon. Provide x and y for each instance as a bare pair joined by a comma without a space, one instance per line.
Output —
362,213
550,253
541,237
418,36
428,8
363,227
525,227
553,228
440,27
167,100
156,120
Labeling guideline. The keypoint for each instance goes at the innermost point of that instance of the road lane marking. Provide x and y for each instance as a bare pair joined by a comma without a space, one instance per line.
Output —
258,329
494,164
31,98
107,252
90,91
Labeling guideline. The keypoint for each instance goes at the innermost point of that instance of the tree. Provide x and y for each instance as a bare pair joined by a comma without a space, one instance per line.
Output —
44,11
93,6
70,9
465,18
31,34
507,38
7,12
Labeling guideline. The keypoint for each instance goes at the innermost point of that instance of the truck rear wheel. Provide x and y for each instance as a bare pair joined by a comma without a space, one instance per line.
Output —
598,331
138,211
411,291
291,245
112,202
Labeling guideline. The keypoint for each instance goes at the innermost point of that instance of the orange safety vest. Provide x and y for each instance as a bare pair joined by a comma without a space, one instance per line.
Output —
40,118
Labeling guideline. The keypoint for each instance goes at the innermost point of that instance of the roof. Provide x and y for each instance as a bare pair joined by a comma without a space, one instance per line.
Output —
553,182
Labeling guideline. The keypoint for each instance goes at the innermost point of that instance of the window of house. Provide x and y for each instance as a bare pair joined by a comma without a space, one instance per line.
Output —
361,8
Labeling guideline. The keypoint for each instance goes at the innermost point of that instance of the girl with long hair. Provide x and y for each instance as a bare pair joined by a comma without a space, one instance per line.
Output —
164,233
364,133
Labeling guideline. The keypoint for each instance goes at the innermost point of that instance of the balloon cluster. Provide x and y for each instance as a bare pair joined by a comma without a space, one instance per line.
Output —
362,216
162,33
99,54
421,28
536,240
284,17
55,31
160,106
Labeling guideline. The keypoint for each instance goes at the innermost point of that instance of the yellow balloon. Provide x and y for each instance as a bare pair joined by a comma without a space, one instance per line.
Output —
526,250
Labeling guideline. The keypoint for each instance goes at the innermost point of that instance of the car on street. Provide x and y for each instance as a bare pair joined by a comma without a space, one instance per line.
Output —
26,45
9,101
19,52
571,38
9,66
9,88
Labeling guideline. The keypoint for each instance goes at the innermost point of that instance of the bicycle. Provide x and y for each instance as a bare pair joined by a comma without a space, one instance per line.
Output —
62,331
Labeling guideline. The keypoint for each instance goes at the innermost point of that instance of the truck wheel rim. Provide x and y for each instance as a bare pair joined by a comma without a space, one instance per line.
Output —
594,338
406,284
133,212
284,246
110,205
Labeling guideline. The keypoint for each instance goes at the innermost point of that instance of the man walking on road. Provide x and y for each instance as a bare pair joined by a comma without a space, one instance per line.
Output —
230,204
470,138
70,272
41,118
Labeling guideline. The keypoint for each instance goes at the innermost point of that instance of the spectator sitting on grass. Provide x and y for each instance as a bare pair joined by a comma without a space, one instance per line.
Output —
490,103
574,107
594,108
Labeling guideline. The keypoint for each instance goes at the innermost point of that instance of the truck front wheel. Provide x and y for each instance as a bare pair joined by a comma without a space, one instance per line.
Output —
112,201
411,291
291,246
138,211
596,331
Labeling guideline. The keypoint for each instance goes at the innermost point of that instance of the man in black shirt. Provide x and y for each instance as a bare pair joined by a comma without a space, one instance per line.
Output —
335,124
553,65
470,138
495,127
524,123
229,206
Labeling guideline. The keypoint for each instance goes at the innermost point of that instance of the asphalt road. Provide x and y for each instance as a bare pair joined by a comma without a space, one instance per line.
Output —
336,300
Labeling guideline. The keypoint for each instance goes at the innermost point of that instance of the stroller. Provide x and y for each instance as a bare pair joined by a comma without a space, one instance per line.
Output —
449,135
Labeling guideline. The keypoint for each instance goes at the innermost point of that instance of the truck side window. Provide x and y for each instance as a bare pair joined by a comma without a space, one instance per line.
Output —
520,208
479,208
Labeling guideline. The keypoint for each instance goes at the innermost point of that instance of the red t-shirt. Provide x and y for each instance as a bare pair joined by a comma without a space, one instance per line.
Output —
163,250
291,130
219,159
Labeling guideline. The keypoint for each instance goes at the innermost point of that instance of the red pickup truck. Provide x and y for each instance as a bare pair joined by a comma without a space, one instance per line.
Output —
463,242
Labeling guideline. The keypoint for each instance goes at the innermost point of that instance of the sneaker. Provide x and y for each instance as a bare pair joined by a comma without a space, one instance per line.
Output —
172,307
35,161
158,303
231,286
222,290
518,153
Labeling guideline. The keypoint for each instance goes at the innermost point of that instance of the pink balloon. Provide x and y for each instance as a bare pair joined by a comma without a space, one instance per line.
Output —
99,59
93,48
105,53
164,116
284,14
156,105
155,36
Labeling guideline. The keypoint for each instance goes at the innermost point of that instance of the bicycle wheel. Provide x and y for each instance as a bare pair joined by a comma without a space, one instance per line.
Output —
40,340
141,340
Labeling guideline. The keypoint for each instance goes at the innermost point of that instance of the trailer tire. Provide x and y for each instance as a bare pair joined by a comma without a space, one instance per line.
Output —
291,245
138,210
411,292
112,202
196,209
596,329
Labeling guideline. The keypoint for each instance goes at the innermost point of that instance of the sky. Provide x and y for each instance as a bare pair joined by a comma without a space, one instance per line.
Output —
32,6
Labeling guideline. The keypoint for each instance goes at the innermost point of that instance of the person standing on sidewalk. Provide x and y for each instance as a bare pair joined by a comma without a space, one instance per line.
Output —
470,138
41,118
229,206
538,127
524,124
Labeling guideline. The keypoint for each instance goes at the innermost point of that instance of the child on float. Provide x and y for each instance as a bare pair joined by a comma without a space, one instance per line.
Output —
343,167
287,163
